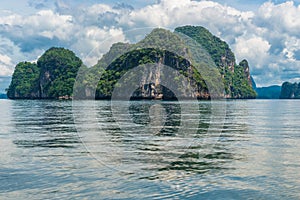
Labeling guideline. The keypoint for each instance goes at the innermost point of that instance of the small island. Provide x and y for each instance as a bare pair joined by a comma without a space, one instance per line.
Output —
54,74
290,91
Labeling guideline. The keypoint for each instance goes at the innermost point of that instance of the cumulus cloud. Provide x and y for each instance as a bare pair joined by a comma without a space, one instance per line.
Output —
84,33
44,23
8,53
248,48
92,42
286,16
5,61
181,12
268,37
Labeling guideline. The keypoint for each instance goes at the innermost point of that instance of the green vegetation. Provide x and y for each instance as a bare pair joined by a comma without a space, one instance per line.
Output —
52,77
290,91
142,57
240,87
213,45
55,72
271,92
3,96
59,69
25,81
237,80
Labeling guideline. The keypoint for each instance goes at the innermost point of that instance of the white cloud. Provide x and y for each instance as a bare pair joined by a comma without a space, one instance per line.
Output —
269,37
37,32
92,42
255,49
6,65
182,12
97,9
4,59
286,16
45,23
292,45
9,53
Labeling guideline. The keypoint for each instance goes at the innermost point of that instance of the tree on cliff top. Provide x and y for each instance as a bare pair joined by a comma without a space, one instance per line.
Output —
59,69
53,76
25,81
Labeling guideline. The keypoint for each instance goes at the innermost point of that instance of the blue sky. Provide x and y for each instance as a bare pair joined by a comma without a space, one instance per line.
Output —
266,33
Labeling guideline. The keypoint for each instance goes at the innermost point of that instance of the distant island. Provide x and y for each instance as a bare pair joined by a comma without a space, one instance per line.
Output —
286,91
54,74
290,91
52,77
270,92
3,96
4,83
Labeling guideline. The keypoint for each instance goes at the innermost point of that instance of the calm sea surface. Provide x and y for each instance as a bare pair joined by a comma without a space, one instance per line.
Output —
246,149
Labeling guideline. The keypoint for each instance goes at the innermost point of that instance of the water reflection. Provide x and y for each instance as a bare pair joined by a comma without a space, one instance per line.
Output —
131,142
142,153
44,124
165,117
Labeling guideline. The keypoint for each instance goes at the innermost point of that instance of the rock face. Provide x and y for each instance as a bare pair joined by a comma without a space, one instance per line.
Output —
245,65
147,82
24,83
237,78
52,77
290,91
58,70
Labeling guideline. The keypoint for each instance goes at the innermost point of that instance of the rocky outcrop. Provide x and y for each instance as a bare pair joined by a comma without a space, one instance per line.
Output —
149,77
236,77
24,83
52,77
270,92
245,65
290,91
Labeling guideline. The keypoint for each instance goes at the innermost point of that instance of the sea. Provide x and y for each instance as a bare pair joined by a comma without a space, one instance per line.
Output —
231,149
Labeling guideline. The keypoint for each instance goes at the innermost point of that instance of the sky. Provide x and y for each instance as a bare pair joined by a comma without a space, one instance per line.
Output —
266,33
